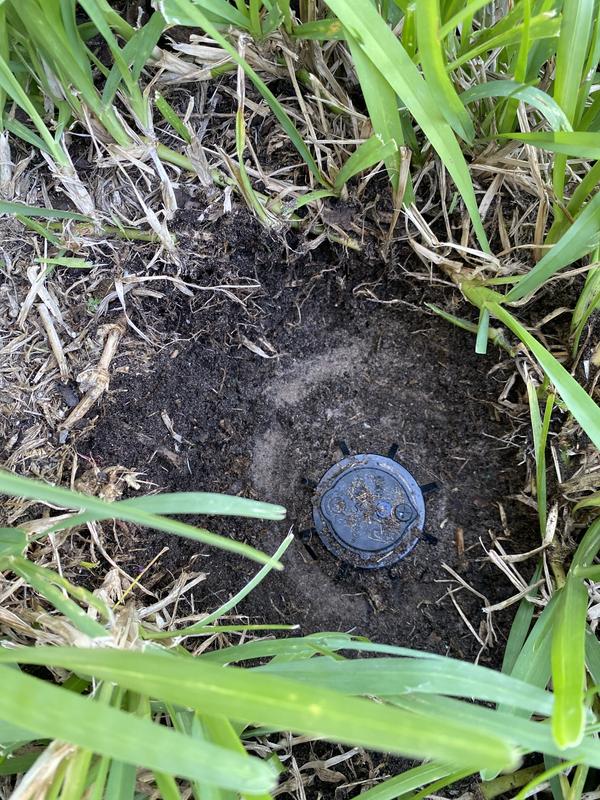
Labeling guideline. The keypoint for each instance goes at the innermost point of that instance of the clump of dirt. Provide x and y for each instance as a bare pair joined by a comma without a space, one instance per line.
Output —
260,396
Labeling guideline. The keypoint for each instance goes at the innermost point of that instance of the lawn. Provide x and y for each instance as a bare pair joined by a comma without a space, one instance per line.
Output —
243,241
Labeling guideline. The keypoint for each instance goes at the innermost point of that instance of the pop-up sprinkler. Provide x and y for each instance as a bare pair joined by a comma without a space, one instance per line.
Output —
369,510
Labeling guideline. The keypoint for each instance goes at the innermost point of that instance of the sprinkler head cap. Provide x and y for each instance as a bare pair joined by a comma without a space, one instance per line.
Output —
369,510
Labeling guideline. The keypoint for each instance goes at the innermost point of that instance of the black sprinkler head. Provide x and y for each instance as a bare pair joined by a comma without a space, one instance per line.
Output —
369,510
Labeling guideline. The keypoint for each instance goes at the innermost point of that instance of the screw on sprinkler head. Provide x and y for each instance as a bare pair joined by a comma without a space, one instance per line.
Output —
368,509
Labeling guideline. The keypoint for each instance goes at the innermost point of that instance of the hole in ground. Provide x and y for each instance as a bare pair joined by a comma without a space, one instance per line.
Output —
345,368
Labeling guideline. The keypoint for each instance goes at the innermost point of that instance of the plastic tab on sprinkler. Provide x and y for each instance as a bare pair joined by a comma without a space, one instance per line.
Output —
368,510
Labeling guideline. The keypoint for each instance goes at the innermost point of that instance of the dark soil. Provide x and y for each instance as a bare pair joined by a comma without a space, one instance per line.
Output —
345,368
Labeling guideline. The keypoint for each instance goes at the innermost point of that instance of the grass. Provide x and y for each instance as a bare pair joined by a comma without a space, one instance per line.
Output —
304,685
424,88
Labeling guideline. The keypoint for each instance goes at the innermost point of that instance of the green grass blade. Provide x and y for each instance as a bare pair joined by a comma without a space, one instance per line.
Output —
184,12
520,61
379,44
366,155
382,105
531,95
17,765
533,662
239,171
120,70
433,789
541,483
205,503
221,12
389,677
408,781
431,54
45,232
211,630
273,19
589,72
577,400
546,776
320,30
282,704
519,630
308,645
66,22
533,737
588,185
11,734
575,29
171,116
588,547
496,335
578,144
589,573
590,117
483,330
409,32
23,210
592,656
191,724
115,20
12,542
592,501
540,433
140,47
51,40
16,486
41,580
101,774
587,302
309,197
65,261
220,731
25,133
136,53
77,775
254,14
56,713
167,786
544,26
569,646
568,664
464,11
31,570
4,55
121,781
286,14
15,91
579,240
578,781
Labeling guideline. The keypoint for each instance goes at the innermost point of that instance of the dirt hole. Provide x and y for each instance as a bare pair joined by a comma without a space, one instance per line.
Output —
340,366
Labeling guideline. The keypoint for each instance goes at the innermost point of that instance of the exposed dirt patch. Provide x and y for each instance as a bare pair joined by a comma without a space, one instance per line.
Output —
342,367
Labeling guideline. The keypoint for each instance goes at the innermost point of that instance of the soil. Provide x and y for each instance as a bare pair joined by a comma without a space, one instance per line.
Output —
339,367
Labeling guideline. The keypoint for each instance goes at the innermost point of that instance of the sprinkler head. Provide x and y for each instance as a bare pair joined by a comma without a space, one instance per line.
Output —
369,510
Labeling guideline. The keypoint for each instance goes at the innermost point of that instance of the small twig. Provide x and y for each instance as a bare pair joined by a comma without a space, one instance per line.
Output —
54,341
96,380
514,599
140,575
